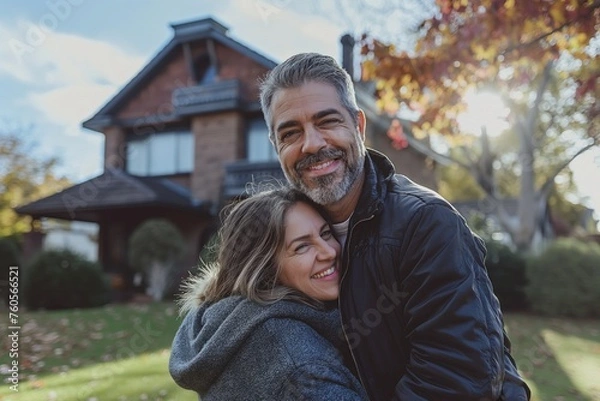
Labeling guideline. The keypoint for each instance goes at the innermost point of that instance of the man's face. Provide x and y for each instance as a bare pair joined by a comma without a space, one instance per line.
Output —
320,148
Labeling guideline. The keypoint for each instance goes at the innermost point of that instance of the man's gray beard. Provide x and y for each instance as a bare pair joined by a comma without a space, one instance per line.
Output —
326,191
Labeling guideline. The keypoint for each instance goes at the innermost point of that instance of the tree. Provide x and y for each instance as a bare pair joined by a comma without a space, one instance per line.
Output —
541,57
23,178
156,247
457,184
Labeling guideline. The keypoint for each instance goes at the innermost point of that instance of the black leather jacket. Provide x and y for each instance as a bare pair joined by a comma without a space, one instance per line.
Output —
417,306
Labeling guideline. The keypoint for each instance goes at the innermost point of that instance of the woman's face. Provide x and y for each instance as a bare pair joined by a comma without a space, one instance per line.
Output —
309,258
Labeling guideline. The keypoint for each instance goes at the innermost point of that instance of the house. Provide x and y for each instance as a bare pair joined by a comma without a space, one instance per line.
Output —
185,136
482,216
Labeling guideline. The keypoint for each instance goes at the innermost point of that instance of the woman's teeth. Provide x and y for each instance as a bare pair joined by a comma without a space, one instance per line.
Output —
325,273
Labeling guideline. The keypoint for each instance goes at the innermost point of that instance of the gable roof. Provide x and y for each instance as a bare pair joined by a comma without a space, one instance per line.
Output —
206,28
114,189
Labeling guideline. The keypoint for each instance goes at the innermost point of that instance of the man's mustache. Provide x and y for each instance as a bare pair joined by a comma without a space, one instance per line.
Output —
321,156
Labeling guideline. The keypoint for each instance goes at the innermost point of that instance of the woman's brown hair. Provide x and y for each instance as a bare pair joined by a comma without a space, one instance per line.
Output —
250,238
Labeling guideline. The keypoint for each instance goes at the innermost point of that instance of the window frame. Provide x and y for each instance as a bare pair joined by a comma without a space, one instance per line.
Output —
149,157
251,145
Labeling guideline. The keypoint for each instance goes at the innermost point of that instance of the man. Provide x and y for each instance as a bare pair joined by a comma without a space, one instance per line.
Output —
417,306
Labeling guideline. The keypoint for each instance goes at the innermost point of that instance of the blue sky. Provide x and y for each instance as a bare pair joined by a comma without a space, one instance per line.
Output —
62,60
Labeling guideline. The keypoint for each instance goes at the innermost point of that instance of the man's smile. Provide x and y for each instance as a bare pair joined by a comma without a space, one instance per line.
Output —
322,168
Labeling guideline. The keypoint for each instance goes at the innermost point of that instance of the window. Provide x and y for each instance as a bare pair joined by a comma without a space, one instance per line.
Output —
205,70
162,153
259,147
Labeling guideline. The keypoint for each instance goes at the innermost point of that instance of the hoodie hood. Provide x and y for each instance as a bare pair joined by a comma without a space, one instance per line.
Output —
211,336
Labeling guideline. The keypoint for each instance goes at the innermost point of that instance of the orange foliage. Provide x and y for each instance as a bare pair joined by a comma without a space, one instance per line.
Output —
502,43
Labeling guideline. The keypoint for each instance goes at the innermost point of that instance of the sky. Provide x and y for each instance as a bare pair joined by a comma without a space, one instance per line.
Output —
62,60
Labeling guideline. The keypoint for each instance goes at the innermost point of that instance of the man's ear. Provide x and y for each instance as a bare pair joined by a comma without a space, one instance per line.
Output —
273,141
361,123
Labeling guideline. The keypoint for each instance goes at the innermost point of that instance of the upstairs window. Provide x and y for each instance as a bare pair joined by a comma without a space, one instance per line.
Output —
259,147
205,70
163,153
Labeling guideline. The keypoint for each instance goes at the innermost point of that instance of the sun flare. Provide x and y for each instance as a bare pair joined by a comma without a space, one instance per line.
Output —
484,109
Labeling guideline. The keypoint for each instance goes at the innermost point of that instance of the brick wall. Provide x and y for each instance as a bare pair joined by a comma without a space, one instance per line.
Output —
114,148
218,140
154,98
233,65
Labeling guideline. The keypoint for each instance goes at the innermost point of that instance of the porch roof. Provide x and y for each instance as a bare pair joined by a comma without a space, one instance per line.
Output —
111,191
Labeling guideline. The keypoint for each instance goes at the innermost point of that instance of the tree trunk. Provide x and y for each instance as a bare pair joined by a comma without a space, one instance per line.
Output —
158,282
532,205
527,212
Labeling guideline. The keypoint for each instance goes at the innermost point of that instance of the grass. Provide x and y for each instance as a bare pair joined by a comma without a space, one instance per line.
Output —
120,352
559,358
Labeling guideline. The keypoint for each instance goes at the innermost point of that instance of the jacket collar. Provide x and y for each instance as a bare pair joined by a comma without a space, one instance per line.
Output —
378,171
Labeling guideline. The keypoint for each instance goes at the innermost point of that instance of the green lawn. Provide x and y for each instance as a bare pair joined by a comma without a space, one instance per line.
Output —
120,352
559,358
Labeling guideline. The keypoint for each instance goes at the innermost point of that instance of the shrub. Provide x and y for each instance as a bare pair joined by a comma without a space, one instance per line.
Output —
156,248
565,279
9,251
9,256
507,273
62,279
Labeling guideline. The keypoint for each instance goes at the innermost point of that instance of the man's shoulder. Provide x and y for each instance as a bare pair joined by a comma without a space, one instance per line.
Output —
403,190
407,201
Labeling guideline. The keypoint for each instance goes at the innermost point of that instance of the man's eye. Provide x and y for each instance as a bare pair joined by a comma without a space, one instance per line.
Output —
330,122
288,135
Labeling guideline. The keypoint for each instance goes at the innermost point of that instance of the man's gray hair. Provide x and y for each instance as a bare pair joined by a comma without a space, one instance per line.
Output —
300,69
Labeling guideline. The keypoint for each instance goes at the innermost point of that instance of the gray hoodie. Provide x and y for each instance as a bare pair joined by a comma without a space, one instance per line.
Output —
236,349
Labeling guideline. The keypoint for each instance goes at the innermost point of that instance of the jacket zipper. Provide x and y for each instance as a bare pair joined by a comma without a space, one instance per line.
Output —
340,297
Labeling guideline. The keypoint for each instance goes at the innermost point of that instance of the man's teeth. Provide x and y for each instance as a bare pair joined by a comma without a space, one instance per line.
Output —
325,273
321,165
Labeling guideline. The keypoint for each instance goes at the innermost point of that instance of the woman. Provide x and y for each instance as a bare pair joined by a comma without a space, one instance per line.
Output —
261,323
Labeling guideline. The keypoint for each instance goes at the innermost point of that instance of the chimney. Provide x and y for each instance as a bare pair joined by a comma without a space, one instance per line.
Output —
348,54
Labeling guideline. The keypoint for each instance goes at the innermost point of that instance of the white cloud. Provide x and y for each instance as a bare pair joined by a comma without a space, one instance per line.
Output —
9,61
586,170
65,79
51,58
275,28
68,77
70,105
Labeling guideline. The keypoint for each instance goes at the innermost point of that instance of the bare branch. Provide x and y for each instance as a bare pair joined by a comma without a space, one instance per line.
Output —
533,116
467,154
547,186
436,156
